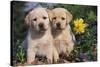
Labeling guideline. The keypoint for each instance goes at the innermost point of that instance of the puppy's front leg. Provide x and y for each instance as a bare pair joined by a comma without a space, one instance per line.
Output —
55,55
49,57
70,47
30,55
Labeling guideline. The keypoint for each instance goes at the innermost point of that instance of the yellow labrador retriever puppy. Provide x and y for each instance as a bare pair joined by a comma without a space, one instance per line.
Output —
61,31
40,40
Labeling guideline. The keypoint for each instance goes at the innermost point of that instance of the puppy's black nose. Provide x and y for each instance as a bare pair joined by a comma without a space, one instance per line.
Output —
41,25
58,25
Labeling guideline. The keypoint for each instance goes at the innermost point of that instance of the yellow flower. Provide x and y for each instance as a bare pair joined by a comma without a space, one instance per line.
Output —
79,26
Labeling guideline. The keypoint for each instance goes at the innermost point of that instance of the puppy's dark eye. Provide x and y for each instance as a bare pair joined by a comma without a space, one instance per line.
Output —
44,17
35,19
54,18
63,18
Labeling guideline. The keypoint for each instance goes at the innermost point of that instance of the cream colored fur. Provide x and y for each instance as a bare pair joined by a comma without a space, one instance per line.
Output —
63,38
40,42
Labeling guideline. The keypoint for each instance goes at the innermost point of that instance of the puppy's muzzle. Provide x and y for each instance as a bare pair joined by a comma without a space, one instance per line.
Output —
58,26
41,27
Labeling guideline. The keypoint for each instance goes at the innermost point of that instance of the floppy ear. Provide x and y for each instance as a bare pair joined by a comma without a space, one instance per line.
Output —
50,14
27,19
69,16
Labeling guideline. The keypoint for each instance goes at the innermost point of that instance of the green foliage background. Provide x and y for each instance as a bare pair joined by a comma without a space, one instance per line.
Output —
86,43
